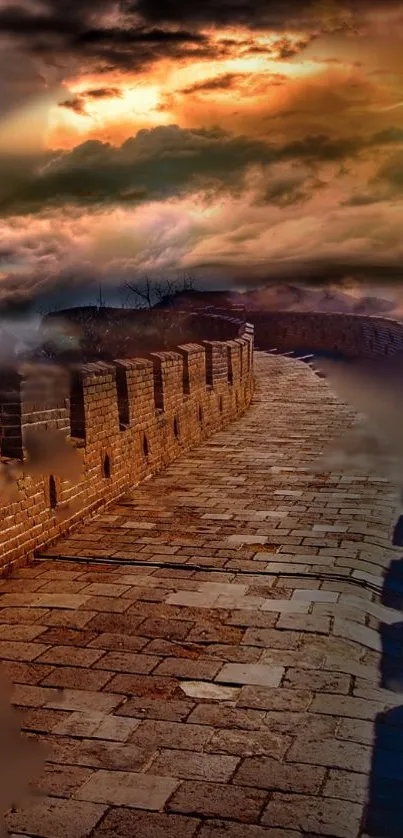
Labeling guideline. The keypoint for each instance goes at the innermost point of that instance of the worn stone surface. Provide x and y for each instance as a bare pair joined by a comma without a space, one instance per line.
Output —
236,700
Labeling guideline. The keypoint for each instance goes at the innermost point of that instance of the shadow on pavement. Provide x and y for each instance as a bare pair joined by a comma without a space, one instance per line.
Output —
384,818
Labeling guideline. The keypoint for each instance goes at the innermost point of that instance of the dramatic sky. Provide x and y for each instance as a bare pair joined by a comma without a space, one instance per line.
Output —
234,139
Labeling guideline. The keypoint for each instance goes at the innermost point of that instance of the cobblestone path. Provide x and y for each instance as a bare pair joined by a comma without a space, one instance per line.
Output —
202,691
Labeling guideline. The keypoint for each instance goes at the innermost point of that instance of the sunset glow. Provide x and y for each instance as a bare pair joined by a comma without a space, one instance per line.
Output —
243,141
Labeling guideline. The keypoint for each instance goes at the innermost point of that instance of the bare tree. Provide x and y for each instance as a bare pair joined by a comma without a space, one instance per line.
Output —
142,291
148,292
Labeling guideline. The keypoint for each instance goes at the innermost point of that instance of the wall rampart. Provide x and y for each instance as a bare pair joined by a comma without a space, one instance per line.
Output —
125,419
351,335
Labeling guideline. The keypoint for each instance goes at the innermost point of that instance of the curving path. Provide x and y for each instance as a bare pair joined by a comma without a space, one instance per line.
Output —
226,681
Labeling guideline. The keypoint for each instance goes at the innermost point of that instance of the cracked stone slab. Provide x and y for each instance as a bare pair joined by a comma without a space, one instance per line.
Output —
212,692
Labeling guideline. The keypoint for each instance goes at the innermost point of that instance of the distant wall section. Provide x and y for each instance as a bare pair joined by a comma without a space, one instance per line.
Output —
351,335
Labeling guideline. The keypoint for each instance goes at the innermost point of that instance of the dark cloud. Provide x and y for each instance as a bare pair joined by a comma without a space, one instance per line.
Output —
292,188
154,164
222,82
264,14
103,93
237,81
81,33
285,48
165,161
131,34
392,171
387,183
75,104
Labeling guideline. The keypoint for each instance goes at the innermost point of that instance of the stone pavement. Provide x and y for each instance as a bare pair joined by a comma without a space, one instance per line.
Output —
190,687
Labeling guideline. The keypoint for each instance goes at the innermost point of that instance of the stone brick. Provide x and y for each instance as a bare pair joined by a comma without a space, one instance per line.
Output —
156,708
314,814
22,615
40,720
149,686
194,766
61,636
104,754
220,801
20,672
13,650
295,622
115,623
246,743
328,682
359,634
250,673
159,734
270,638
306,595
349,706
92,724
70,656
127,662
286,606
127,823
68,619
107,590
81,700
311,725
261,698
72,601
171,629
24,633
334,753
223,716
188,669
346,785
61,780
235,654
27,695
267,773
110,605
119,642
204,632
124,788
51,817
230,829
77,678
252,618
356,730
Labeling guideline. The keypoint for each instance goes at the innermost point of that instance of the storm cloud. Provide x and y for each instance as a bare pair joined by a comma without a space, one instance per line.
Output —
170,161
233,138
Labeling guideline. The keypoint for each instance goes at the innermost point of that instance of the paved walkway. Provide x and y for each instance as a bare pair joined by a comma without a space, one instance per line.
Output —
205,692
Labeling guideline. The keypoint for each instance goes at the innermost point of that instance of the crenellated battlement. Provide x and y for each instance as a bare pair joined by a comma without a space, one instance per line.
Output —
124,420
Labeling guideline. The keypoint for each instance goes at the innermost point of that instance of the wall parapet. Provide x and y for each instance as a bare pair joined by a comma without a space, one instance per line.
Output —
352,335
125,420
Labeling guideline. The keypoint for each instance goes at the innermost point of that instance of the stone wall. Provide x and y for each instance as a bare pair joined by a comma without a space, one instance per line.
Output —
127,420
352,335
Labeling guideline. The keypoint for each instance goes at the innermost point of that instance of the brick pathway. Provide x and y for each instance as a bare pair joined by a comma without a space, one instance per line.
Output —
217,702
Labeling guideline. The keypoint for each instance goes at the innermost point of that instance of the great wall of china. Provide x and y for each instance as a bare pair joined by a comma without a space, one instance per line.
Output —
218,652
130,418
127,420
